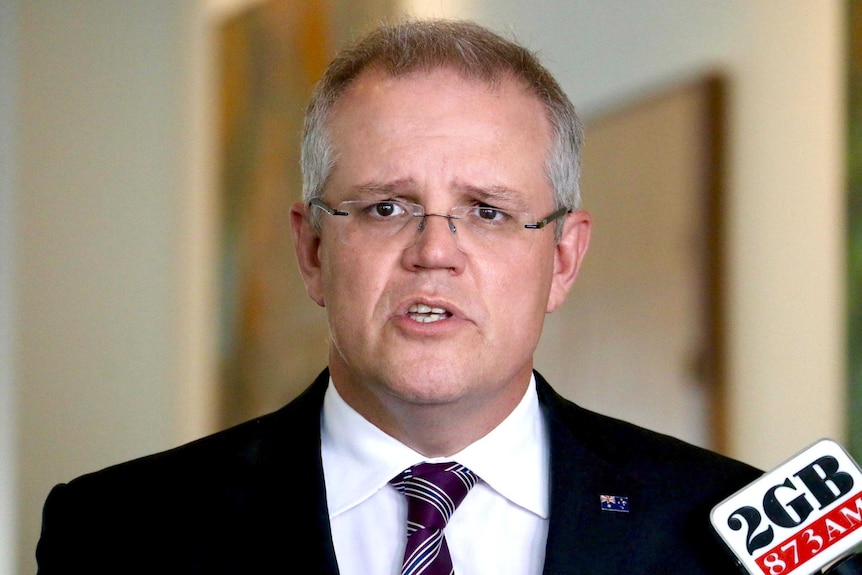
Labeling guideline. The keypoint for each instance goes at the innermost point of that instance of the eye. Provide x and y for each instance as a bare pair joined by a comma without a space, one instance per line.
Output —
385,210
486,214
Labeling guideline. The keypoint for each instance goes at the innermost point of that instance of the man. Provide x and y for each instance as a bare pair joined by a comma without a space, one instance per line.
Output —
439,224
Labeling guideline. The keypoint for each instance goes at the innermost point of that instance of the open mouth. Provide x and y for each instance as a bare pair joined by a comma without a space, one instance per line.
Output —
427,314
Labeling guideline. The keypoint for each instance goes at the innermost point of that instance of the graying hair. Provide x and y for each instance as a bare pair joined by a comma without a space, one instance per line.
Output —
425,45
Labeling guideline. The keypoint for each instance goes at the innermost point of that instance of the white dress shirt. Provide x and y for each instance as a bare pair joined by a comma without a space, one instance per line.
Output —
501,526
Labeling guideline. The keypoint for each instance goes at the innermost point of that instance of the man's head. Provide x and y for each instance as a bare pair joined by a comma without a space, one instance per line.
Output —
466,47
434,318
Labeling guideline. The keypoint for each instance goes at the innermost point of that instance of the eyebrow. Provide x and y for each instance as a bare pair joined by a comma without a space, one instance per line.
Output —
495,195
407,188
397,188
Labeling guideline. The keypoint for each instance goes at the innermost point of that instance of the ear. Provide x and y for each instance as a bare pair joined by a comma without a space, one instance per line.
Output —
569,254
306,242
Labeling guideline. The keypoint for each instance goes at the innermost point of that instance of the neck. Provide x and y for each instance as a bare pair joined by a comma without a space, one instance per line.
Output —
434,429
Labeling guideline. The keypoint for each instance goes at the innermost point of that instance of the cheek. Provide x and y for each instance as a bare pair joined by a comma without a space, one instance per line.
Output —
530,275
353,283
518,295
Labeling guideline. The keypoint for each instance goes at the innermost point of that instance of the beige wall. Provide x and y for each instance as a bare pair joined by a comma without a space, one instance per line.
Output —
787,239
102,211
111,291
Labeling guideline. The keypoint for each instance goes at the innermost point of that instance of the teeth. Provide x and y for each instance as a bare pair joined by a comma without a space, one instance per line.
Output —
426,314
422,308
427,318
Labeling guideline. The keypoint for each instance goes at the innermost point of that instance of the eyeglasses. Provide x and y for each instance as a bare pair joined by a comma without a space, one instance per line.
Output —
374,223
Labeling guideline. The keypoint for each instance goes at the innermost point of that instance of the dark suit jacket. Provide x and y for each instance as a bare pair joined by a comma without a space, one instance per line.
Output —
251,500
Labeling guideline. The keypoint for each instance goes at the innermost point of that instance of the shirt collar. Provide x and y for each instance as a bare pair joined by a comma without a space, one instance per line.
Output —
359,459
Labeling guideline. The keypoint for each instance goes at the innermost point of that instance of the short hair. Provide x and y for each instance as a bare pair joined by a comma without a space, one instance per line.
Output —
426,45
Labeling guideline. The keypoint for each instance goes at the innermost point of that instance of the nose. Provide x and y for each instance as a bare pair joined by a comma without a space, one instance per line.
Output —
435,246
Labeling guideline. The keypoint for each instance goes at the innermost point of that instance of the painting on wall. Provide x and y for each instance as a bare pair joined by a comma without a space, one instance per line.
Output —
273,338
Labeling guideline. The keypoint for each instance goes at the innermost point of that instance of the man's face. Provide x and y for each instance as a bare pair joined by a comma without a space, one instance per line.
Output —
438,140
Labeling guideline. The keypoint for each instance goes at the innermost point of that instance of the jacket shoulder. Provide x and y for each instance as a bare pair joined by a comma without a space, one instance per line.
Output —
292,430
669,487
645,453
207,506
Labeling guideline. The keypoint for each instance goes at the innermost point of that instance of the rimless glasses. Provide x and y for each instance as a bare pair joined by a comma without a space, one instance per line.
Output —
380,223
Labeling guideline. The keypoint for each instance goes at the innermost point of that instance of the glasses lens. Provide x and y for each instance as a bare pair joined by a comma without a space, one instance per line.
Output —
372,223
388,224
488,222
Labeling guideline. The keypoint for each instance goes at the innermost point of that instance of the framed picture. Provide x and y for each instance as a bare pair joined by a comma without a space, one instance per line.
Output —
641,334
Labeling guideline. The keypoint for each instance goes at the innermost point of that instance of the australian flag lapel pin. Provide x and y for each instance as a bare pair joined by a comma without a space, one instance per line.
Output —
614,503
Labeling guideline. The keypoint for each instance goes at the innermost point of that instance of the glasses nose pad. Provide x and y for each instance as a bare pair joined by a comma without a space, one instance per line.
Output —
449,220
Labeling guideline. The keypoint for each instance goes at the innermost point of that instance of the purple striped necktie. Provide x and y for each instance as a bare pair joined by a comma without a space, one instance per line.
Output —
433,491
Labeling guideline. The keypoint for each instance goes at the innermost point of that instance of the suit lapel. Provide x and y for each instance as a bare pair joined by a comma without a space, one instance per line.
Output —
292,490
582,537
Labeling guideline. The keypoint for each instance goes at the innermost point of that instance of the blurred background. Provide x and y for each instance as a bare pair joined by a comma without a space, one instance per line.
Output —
148,154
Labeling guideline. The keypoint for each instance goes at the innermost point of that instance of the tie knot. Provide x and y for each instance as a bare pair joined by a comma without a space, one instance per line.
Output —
433,491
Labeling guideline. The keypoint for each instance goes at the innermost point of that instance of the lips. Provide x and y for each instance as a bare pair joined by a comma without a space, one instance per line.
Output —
427,314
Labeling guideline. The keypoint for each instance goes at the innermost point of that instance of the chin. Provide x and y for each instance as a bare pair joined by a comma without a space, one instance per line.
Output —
429,388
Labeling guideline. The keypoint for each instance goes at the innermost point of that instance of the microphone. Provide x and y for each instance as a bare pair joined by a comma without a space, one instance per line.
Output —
798,518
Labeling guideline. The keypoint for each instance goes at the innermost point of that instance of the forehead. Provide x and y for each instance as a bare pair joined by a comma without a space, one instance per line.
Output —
435,92
439,125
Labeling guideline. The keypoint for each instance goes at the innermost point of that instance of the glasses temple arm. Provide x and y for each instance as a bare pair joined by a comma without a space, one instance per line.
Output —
542,223
318,203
